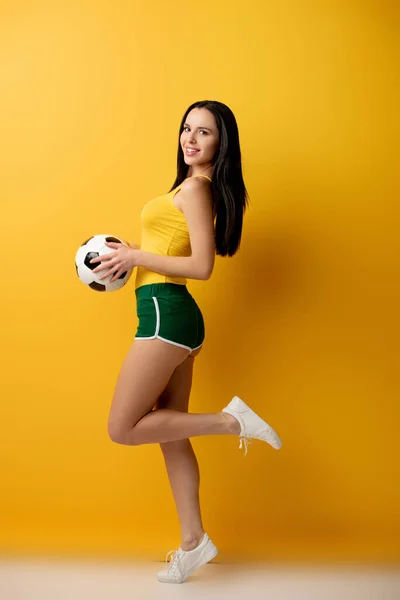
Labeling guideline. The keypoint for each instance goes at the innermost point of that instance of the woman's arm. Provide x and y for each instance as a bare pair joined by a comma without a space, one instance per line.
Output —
173,266
196,202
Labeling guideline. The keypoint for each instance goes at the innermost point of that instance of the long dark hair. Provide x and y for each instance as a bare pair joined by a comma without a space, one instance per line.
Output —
230,197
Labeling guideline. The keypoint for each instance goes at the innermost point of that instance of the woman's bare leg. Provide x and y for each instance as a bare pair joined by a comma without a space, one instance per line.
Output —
144,375
180,460
158,375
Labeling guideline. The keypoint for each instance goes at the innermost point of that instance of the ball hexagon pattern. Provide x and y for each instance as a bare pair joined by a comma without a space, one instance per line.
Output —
91,248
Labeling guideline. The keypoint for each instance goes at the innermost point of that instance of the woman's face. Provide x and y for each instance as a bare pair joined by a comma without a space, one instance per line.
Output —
199,132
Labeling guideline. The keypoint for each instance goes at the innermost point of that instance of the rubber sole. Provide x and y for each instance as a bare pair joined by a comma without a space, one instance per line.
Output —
209,554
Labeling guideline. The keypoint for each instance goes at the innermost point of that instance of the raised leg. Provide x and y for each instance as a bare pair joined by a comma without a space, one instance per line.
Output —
144,375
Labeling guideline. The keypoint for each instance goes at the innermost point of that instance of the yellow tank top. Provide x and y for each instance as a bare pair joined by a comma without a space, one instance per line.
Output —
164,232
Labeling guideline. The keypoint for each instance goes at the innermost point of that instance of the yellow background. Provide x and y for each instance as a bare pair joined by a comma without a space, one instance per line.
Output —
302,323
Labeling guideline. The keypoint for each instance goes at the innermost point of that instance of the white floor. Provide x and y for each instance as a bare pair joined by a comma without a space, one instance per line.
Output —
56,580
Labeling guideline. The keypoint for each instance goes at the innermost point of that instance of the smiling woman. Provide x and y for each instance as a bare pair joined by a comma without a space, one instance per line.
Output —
191,150
182,230
200,138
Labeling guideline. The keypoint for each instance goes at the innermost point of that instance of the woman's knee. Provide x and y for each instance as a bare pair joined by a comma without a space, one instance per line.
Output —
117,435
121,435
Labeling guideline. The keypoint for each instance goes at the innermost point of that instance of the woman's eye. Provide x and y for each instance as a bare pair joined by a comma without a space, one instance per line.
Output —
202,130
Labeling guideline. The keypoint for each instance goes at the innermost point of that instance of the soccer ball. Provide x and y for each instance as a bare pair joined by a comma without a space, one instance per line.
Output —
91,248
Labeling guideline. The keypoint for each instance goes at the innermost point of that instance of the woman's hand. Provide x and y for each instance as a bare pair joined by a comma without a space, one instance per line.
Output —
133,246
123,259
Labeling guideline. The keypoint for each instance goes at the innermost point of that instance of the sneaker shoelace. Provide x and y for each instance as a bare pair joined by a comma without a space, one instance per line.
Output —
175,555
245,441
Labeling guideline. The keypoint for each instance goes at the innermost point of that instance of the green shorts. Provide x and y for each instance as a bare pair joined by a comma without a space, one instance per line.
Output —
168,312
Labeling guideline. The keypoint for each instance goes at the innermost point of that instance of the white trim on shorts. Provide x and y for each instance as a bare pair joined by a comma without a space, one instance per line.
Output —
158,337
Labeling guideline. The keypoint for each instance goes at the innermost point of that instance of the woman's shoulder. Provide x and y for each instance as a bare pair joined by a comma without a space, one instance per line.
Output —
195,183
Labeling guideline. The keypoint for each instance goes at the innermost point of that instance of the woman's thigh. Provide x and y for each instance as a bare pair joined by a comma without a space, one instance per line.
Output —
177,392
144,375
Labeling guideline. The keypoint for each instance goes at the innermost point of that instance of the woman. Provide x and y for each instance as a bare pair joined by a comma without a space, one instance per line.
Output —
202,215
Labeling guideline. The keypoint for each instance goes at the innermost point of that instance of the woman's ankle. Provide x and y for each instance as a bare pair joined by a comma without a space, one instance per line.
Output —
191,541
232,425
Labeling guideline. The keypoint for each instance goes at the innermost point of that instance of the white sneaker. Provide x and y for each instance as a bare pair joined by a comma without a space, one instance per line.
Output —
252,426
183,563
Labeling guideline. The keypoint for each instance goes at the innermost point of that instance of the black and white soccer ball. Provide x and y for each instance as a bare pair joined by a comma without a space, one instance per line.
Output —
91,248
